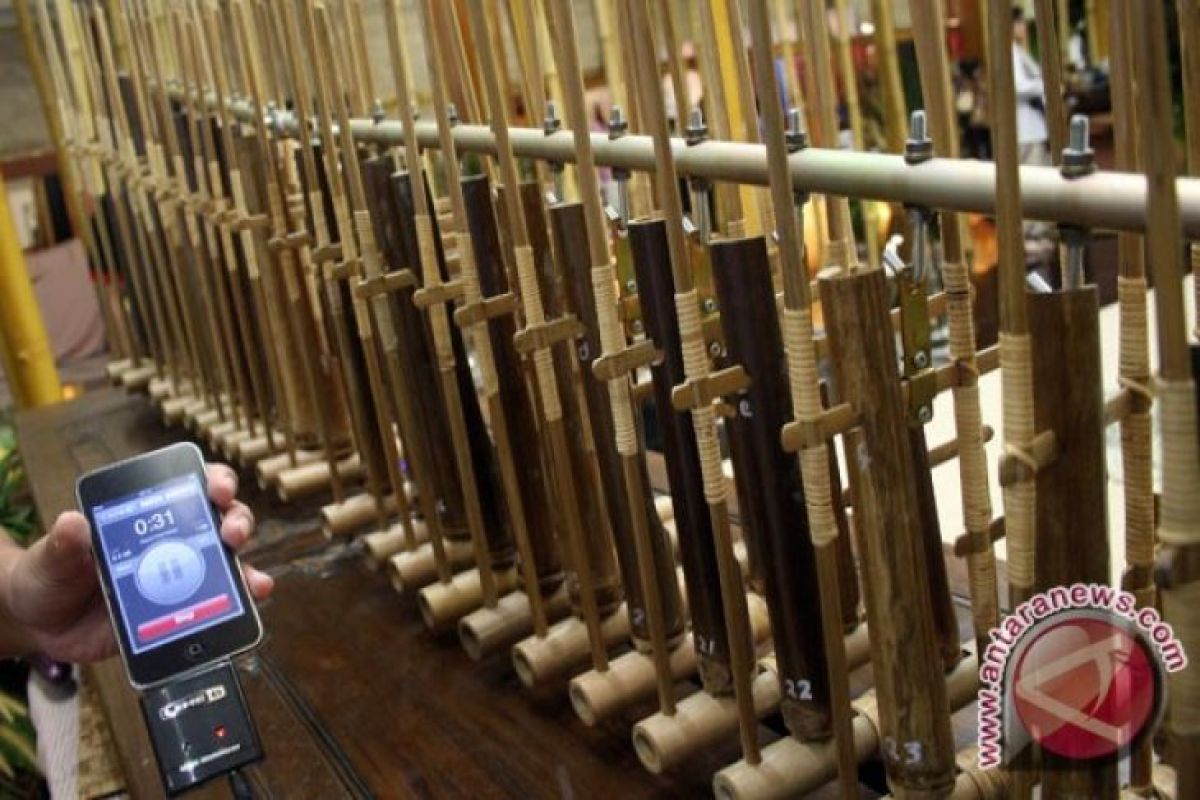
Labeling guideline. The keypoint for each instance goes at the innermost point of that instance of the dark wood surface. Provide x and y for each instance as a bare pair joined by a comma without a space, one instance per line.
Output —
351,695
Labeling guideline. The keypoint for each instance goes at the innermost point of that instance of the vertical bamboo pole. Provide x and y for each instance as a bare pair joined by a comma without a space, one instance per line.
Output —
1179,521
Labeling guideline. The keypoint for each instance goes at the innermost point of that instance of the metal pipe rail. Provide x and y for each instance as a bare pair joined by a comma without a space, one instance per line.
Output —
1103,200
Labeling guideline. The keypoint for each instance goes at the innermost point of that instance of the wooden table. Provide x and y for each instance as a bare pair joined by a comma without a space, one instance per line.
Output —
352,696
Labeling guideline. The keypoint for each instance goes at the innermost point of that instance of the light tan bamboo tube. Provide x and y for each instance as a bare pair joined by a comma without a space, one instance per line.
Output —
161,388
488,631
311,478
250,451
353,514
137,378
114,369
791,768
702,720
172,408
267,469
630,678
380,546
442,605
415,569
565,648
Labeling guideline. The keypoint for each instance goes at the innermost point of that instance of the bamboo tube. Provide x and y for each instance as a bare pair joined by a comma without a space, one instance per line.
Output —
217,252
894,112
1134,372
840,249
207,70
413,570
1189,48
1019,498
790,768
696,369
307,479
1050,55
372,430
258,352
590,574
309,411
382,545
1180,514
854,108
972,462
353,514
442,605
545,660
114,126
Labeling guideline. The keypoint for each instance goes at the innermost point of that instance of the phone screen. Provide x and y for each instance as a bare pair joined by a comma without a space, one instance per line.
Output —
168,569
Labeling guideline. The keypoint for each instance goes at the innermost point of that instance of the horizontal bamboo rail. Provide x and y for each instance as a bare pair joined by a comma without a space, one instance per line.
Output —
1104,200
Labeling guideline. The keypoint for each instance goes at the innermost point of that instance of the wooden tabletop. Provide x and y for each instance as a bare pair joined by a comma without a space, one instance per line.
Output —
351,694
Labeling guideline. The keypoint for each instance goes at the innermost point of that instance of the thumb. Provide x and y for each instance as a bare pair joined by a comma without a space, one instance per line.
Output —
63,553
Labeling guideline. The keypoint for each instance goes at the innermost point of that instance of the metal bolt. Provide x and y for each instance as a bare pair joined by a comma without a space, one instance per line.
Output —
1079,132
925,414
1078,159
919,146
378,115
709,305
551,124
638,327
697,130
920,359
797,134
452,114
631,286
715,350
618,126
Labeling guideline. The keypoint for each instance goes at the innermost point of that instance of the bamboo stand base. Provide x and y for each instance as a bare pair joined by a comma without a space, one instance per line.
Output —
223,434
565,648
353,514
380,546
790,767
489,631
414,570
114,369
442,605
172,408
267,469
250,451
137,378
631,678
163,388
297,482
702,720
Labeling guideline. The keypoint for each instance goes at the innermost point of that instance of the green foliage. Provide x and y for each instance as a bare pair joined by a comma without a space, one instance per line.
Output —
16,514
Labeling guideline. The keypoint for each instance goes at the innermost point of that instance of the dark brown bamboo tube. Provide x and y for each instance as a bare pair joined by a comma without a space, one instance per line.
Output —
1179,520
904,650
568,223
694,356
567,465
817,463
754,341
1072,545
696,548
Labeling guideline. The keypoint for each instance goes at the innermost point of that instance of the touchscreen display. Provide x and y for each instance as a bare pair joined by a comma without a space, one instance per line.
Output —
169,573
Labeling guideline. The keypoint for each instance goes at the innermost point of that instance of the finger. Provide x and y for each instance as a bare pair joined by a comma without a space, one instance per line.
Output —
259,583
222,484
237,525
64,553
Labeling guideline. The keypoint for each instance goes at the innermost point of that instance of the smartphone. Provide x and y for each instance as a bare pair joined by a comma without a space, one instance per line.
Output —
175,591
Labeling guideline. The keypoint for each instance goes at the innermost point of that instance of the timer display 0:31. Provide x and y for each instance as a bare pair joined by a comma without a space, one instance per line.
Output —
154,523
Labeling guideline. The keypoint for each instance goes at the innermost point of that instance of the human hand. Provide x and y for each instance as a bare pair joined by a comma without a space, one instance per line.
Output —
51,593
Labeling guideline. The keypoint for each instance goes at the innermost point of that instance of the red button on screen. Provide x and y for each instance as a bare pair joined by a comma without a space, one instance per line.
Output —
183,618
